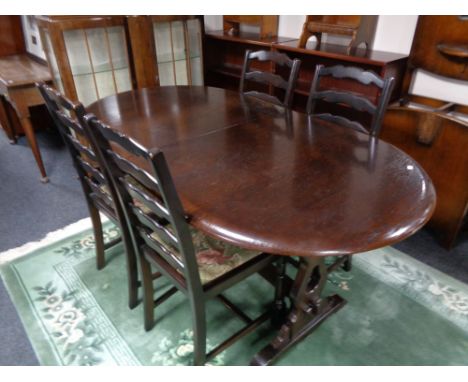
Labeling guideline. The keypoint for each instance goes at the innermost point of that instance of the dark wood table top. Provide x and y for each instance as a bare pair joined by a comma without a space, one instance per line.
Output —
265,181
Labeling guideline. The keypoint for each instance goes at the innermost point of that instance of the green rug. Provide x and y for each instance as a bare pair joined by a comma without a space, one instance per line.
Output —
399,312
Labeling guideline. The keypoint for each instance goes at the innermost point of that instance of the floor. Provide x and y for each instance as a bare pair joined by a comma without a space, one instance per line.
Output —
30,209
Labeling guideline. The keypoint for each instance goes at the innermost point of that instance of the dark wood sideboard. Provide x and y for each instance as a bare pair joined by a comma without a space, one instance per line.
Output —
224,55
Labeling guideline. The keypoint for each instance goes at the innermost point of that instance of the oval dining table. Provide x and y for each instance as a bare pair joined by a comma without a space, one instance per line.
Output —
279,182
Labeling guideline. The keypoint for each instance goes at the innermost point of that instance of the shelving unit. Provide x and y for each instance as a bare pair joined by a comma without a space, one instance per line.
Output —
384,64
91,57
224,55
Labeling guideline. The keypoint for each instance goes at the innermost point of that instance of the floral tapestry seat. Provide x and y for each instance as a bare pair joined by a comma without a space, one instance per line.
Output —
105,188
214,257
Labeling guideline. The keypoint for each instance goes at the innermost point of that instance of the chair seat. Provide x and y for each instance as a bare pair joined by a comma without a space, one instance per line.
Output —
214,257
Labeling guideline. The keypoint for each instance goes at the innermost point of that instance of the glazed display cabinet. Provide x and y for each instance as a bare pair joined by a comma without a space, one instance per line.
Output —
92,57
88,56
167,50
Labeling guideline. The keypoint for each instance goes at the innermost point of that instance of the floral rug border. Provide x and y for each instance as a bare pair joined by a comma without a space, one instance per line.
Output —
72,229
424,284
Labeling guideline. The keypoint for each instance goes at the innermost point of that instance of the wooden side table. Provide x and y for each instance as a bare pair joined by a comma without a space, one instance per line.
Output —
18,75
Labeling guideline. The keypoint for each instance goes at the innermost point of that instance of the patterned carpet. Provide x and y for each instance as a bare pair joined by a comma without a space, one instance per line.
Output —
399,312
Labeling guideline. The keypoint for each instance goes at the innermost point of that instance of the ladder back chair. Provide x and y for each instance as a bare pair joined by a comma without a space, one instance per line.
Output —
270,79
166,242
353,100
99,192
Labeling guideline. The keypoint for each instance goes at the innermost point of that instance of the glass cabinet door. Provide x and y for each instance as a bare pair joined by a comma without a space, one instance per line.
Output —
195,49
178,52
53,65
88,56
98,61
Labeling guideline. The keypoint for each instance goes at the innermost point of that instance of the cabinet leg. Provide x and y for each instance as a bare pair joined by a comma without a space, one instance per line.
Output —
6,121
31,137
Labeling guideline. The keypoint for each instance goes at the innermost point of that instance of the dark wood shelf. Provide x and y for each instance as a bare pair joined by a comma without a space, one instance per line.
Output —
341,52
247,38
228,70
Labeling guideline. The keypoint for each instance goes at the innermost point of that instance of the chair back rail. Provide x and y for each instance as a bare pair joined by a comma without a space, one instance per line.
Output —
66,116
343,121
271,79
266,55
364,77
355,101
267,79
149,198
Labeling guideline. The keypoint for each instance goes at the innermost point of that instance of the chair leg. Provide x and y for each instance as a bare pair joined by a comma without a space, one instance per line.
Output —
98,236
148,293
199,333
133,282
132,268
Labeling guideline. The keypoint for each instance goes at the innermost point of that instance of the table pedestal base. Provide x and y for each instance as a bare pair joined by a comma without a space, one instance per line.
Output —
309,310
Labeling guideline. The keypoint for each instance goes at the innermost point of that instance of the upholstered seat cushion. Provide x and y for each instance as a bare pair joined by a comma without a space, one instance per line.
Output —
105,188
214,257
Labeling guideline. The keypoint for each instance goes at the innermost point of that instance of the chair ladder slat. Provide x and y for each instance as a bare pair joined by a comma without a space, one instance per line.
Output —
364,77
141,176
82,148
122,140
154,225
165,253
264,97
357,102
99,192
87,167
267,78
265,55
147,200
70,123
342,121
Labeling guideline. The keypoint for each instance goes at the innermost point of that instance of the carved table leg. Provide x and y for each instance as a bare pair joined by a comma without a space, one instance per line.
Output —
308,311
280,310
348,264
21,98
